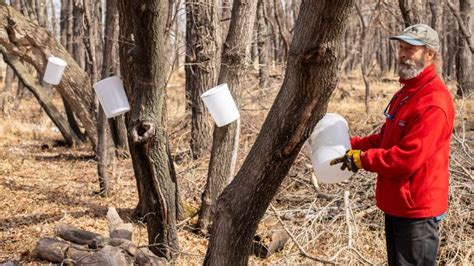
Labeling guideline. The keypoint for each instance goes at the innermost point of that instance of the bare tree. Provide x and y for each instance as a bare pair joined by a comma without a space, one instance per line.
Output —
202,67
410,11
234,64
262,45
302,101
465,53
145,70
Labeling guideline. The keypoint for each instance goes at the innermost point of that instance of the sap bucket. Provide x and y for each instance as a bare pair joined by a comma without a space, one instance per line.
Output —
54,70
112,96
221,105
329,140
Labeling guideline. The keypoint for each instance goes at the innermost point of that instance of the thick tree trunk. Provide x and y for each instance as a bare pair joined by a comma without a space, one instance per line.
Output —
42,96
145,70
26,41
202,68
309,81
225,143
262,43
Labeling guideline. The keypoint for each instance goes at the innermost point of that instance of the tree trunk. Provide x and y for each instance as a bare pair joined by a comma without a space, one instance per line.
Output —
78,33
312,63
262,43
202,68
464,73
69,41
24,40
284,33
145,70
363,64
225,143
409,12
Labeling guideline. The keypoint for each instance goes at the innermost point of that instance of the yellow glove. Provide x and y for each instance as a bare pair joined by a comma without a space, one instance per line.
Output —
350,161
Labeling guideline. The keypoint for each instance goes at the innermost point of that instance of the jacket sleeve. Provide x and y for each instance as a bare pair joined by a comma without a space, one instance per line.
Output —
369,142
424,136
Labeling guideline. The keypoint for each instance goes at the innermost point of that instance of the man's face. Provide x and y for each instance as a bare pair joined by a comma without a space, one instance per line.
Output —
412,60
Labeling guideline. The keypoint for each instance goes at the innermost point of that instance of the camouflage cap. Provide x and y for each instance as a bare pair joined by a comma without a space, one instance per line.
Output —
419,34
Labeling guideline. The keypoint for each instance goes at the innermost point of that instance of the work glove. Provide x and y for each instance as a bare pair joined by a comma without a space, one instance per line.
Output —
350,161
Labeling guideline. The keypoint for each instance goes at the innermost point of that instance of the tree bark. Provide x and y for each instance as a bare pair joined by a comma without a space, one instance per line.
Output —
309,81
202,68
465,54
409,12
145,70
110,66
262,44
225,143
25,41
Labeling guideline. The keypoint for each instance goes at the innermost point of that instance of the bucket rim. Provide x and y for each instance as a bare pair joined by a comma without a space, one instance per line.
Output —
106,80
214,90
57,61
117,112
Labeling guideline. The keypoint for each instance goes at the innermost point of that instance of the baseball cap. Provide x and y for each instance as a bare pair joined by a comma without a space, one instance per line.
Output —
419,34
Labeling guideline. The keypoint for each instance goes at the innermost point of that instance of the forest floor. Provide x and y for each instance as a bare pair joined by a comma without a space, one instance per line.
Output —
43,185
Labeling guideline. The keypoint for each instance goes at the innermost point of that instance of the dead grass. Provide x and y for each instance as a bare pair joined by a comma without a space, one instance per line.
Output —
42,188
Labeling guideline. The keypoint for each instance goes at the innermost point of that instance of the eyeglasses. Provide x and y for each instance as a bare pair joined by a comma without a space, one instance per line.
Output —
392,116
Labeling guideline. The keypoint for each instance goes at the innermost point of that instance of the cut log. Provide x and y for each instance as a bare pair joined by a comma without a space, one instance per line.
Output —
279,240
51,249
117,228
79,236
106,256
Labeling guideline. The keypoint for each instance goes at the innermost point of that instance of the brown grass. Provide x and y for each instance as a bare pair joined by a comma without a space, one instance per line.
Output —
40,188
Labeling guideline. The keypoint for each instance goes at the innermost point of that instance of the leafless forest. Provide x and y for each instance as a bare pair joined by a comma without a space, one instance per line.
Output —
161,183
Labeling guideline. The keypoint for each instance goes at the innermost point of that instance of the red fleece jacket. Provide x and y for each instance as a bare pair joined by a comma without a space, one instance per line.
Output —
411,152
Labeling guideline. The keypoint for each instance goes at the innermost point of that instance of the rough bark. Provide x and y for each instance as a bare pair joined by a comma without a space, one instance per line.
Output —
43,98
202,68
27,42
145,70
234,64
284,33
262,45
110,64
409,12
465,53
309,81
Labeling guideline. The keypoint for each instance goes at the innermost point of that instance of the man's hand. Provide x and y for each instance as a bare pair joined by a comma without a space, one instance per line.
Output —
350,161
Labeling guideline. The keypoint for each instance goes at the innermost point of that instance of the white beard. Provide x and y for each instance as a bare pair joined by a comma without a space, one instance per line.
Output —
408,69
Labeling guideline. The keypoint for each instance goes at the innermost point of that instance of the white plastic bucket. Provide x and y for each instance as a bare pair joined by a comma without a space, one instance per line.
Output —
325,172
221,105
331,130
329,140
54,70
112,96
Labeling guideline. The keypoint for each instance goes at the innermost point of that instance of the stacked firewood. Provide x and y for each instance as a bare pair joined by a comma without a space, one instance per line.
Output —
80,247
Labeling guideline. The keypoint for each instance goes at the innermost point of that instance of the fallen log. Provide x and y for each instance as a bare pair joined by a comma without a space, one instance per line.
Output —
117,228
79,236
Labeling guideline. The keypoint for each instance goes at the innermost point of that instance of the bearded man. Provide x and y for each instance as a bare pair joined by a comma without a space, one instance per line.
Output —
410,154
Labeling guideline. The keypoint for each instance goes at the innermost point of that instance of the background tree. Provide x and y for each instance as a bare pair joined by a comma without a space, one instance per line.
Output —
145,71
234,65
203,46
309,81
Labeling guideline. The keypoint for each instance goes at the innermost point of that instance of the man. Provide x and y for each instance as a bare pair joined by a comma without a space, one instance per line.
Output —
410,154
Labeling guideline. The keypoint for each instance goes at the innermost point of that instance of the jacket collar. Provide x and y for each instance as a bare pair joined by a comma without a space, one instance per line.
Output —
425,76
